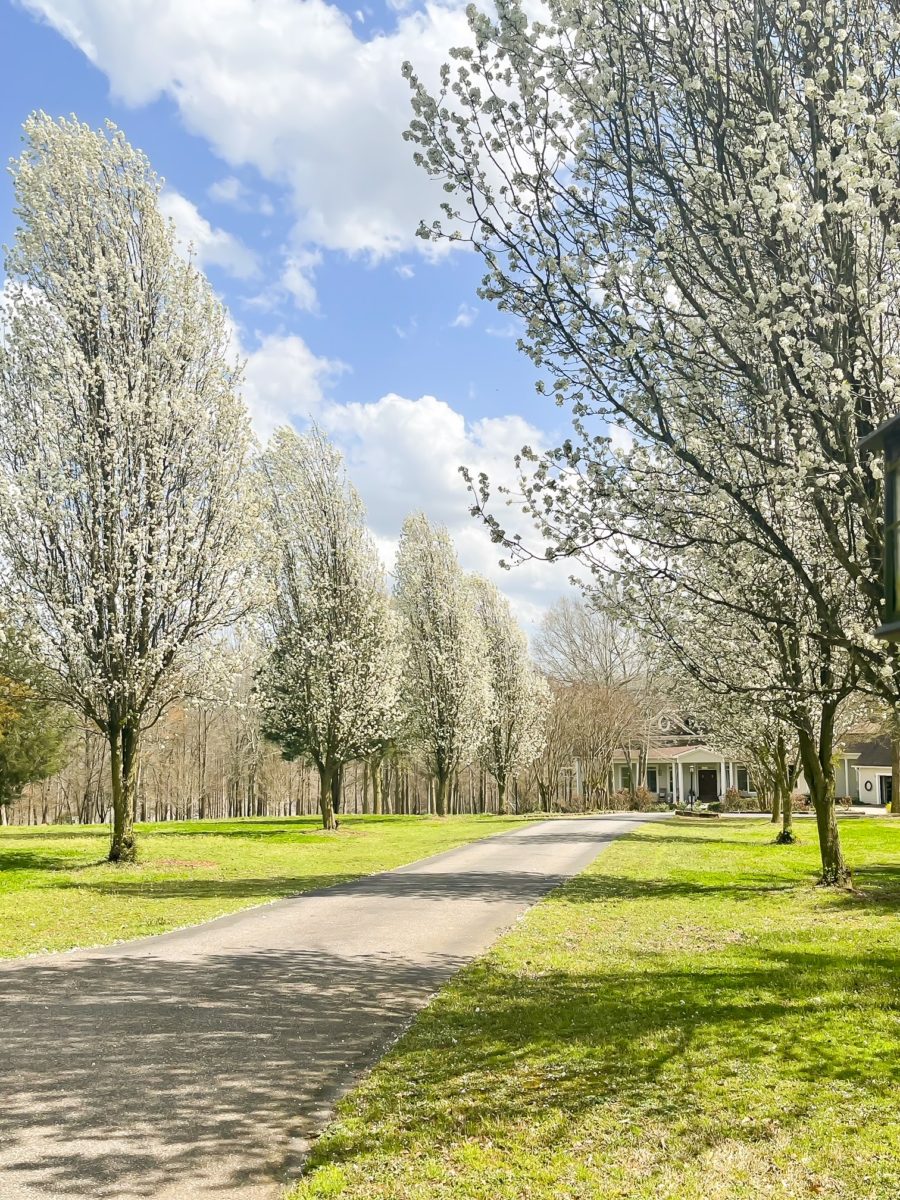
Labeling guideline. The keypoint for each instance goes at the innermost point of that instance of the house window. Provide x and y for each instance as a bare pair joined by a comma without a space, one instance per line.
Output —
651,779
626,777
743,780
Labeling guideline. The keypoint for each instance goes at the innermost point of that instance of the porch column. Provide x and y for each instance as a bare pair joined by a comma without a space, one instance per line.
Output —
721,778
680,769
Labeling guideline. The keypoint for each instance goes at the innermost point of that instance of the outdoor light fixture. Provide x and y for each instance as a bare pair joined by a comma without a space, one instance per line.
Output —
886,439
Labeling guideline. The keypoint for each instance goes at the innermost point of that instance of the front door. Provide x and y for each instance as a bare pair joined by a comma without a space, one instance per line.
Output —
708,785
886,787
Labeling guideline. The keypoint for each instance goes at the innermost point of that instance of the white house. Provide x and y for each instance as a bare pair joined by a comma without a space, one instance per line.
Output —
867,771
680,773
687,772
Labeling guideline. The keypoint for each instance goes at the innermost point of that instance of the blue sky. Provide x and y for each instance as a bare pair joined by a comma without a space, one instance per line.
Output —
276,125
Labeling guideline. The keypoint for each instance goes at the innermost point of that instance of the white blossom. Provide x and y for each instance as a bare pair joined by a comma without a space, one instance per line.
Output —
445,676
520,696
125,514
330,688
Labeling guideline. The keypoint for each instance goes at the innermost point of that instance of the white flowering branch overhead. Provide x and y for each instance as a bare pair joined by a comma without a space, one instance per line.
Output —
693,210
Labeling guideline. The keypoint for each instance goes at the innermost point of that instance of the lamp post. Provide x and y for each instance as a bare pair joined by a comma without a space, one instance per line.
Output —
886,439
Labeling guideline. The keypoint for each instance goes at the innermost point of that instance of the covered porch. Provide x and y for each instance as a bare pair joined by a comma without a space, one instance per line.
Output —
682,774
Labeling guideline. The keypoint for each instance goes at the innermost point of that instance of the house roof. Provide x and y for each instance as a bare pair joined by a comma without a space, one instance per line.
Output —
874,753
667,753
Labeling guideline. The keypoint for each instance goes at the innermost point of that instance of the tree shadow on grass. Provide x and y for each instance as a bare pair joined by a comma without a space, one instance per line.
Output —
689,840
33,860
506,1049
594,887
133,1075
876,886
521,886
284,833
501,886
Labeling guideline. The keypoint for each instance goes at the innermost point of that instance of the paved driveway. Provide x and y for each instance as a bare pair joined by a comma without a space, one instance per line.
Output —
200,1063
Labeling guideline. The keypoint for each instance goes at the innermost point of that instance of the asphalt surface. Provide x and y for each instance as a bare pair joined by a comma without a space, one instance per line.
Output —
201,1063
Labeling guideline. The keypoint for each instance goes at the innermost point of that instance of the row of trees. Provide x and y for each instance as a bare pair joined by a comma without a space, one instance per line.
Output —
440,669
140,528
692,208
208,757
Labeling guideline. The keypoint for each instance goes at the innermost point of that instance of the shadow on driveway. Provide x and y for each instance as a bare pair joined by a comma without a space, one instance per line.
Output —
154,1068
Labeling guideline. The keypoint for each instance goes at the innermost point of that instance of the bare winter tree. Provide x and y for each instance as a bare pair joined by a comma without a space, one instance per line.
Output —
609,692
123,442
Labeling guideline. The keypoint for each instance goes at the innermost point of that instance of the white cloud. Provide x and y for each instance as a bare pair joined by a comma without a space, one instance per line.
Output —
229,190
298,278
511,329
410,329
622,439
290,88
285,382
405,455
212,247
465,317
405,271
234,192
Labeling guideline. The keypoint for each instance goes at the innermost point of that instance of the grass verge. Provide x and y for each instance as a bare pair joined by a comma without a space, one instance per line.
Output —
691,1019
56,890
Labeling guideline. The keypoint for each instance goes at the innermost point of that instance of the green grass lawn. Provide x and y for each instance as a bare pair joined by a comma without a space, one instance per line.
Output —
691,1018
56,890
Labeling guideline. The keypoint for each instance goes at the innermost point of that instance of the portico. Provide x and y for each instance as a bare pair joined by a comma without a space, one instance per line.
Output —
685,773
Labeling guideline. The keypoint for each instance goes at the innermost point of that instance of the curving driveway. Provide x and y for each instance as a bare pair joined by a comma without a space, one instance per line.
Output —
201,1063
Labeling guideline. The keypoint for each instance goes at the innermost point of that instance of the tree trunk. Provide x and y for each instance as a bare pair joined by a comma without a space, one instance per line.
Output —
502,798
818,768
440,795
123,756
776,804
835,872
377,787
326,778
895,771
784,785
786,837
337,789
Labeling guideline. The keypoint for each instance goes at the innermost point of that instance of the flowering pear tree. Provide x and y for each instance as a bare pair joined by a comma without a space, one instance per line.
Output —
750,733
329,690
445,680
736,624
549,769
124,445
514,731
692,209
